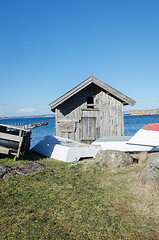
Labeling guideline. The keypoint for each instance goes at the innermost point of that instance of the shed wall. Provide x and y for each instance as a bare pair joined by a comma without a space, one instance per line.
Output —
75,121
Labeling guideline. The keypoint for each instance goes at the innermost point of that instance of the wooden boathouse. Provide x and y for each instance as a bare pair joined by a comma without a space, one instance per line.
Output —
89,111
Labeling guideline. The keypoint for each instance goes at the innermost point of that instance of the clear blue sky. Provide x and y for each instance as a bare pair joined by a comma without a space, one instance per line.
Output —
48,47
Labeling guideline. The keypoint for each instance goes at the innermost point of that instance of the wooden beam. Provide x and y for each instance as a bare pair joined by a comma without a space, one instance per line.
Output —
4,150
10,137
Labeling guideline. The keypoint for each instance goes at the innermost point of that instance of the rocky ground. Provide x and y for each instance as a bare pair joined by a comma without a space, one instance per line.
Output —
28,167
106,158
116,159
151,171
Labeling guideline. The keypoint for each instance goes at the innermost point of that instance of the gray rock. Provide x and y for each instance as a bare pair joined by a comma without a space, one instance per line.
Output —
113,158
3,170
31,166
153,176
28,167
153,160
151,172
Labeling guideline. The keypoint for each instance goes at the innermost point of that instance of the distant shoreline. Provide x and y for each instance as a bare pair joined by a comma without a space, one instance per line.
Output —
35,116
128,113
141,112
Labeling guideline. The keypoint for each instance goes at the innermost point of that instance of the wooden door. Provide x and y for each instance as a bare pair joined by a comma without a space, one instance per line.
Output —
88,129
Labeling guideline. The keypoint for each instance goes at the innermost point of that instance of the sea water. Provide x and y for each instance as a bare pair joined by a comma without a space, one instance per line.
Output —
131,125
38,133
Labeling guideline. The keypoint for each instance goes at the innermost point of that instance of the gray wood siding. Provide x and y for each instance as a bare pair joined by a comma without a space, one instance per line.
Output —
106,119
89,129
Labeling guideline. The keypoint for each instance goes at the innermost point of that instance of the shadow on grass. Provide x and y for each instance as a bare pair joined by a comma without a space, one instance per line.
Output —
29,156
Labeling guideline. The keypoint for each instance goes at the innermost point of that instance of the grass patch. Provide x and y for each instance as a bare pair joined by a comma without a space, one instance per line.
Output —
66,201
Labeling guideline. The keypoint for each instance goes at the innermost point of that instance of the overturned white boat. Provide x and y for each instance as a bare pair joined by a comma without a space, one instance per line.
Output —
146,136
64,149
146,139
67,150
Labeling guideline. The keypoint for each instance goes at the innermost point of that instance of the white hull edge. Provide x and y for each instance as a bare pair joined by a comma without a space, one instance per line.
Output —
124,146
65,149
145,137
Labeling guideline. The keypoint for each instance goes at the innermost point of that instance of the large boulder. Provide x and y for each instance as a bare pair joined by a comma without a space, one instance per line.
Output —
153,160
113,158
151,172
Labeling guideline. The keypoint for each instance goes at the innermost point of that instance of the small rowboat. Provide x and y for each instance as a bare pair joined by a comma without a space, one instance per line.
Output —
64,149
146,139
147,136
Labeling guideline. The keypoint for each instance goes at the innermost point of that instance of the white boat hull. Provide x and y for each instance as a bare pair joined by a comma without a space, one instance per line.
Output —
122,144
65,149
146,139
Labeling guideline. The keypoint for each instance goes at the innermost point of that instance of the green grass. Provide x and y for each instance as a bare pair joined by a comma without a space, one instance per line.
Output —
67,201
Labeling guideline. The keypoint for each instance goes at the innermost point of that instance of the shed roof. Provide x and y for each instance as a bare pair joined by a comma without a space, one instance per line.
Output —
123,98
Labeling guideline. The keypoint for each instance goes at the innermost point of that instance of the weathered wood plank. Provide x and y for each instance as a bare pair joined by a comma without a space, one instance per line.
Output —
4,150
89,129
10,137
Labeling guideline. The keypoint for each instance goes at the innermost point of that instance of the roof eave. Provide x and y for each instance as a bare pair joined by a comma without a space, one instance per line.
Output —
123,98
70,93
